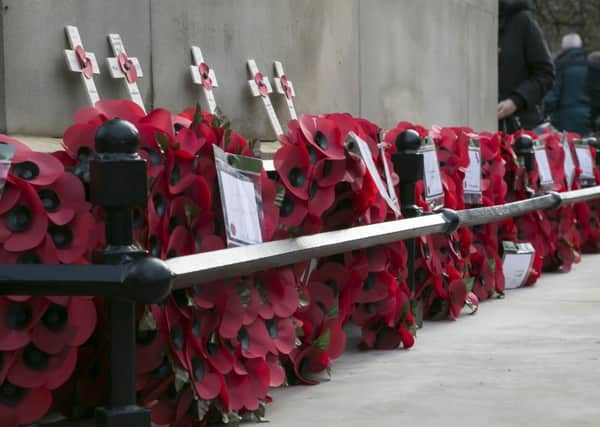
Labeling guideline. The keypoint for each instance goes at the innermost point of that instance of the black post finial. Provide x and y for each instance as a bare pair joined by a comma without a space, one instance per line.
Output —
118,185
408,165
524,149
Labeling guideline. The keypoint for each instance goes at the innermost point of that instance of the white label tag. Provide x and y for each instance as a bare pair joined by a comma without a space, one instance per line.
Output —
586,164
365,154
545,174
431,172
569,162
472,181
241,209
516,265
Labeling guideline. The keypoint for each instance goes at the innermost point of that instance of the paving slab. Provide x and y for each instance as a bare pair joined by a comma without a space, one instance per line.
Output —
529,360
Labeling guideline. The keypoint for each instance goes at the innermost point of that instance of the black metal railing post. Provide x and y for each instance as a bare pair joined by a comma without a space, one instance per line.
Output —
408,165
118,184
524,150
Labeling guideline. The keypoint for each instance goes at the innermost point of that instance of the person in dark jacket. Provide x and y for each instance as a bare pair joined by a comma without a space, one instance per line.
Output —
593,89
568,103
525,67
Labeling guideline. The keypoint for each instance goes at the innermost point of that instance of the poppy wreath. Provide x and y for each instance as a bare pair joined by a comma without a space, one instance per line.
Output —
212,351
365,289
562,220
442,283
588,214
532,227
42,209
486,263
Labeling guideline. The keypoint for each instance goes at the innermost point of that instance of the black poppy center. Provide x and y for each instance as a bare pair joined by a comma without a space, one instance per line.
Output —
163,370
197,241
177,337
19,219
144,338
155,247
297,177
55,317
62,236
34,358
313,190
321,140
327,167
420,275
181,297
287,206
173,222
369,282
171,253
312,155
198,369
26,170
159,204
332,284
244,339
29,258
18,316
212,348
10,394
196,327
444,250
272,328
175,175
49,199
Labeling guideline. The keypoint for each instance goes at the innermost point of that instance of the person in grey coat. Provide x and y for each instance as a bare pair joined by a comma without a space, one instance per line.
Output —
568,103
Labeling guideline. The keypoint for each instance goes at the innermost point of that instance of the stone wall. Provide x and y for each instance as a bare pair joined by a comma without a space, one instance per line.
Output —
430,61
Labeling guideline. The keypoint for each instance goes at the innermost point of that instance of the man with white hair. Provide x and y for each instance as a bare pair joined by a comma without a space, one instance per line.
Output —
568,103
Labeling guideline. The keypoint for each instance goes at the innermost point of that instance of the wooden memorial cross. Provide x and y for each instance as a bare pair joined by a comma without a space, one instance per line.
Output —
205,76
285,87
260,87
82,62
124,67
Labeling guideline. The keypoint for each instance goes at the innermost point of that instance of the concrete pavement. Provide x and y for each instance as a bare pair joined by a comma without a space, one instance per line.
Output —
529,360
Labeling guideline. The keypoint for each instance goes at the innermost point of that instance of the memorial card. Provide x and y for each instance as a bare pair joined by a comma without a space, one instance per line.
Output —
516,263
7,153
432,178
472,182
586,164
543,166
569,165
239,186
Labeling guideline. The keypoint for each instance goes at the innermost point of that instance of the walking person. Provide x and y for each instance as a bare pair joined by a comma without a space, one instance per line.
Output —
525,67
568,102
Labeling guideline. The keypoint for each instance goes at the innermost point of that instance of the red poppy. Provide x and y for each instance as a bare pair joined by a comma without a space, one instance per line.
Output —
63,199
19,317
73,240
324,135
22,406
205,381
62,326
36,168
36,368
24,223
293,166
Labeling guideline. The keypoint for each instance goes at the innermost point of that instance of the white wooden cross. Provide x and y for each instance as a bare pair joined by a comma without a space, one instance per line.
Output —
261,87
205,76
124,67
285,87
82,62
